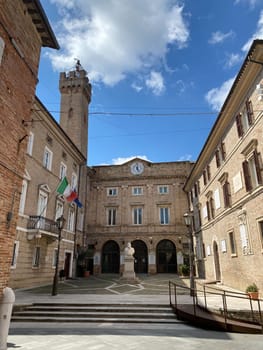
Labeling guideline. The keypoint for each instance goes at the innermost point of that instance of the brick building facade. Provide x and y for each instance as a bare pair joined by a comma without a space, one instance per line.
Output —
225,185
24,29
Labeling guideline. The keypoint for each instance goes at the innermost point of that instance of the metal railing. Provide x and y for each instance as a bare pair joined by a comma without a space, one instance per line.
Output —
230,304
36,222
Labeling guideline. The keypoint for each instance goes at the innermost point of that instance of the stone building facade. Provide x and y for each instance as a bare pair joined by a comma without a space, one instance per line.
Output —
142,203
51,155
225,185
24,29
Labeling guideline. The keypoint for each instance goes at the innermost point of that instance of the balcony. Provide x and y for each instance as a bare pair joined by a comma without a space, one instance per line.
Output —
38,226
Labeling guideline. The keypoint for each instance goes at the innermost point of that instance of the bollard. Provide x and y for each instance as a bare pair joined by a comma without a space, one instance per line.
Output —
6,305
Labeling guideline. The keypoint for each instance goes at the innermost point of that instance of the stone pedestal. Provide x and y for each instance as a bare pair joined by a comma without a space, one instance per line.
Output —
128,275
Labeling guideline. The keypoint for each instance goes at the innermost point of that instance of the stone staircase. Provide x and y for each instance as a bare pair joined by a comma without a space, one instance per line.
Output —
112,313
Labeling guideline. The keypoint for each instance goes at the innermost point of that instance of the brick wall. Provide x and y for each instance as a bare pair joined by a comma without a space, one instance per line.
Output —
18,71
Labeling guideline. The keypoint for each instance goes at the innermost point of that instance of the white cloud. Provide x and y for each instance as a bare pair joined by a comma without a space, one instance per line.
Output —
155,83
136,87
251,3
219,37
216,96
257,35
185,157
122,160
115,38
233,59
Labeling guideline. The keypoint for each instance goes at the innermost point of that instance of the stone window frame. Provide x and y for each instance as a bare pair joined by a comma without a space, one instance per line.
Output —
252,166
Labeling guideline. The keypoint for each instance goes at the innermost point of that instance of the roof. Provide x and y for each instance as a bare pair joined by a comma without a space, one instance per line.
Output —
41,23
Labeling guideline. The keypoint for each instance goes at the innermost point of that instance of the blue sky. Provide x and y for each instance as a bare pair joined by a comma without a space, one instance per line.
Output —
160,70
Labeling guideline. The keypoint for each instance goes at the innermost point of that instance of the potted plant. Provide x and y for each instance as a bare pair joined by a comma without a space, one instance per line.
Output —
184,270
252,291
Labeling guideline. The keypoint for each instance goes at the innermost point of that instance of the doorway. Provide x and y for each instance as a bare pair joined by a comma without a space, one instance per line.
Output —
166,257
67,264
216,262
140,256
110,258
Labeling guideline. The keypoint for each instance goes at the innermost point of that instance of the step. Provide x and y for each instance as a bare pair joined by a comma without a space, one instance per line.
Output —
61,312
95,319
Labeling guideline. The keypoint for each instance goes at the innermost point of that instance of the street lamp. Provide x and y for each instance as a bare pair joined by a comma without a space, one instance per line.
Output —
60,223
188,219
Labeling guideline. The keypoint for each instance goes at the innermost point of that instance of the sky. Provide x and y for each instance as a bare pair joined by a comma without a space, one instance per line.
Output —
160,70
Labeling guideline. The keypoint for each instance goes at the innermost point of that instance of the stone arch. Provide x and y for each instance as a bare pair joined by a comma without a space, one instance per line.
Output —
166,257
140,256
110,257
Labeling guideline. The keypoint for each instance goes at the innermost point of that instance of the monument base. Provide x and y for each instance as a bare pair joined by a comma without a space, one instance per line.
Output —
128,275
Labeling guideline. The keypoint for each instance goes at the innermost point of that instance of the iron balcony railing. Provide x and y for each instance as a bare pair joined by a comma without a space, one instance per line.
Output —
36,222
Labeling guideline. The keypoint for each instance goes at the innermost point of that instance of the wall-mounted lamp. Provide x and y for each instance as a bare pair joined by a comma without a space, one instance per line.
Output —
151,240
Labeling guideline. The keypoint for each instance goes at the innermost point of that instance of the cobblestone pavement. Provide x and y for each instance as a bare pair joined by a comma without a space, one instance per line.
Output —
100,336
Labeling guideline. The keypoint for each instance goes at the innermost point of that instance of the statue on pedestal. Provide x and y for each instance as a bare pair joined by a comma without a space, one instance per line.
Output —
129,250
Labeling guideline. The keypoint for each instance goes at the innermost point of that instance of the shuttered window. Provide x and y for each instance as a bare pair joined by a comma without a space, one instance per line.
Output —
250,114
227,195
240,130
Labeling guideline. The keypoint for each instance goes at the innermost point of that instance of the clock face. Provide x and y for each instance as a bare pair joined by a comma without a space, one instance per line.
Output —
137,168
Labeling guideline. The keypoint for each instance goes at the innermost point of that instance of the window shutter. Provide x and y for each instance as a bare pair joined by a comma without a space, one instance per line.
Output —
223,150
217,158
248,182
257,165
208,172
226,193
250,114
240,130
204,177
208,211
212,207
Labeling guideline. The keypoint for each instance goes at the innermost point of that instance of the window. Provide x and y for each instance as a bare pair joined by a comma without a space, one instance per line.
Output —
210,208
232,243
30,143
74,181
225,189
260,227
47,160
164,216
245,119
36,257
59,209
71,219
204,177
42,203
220,154
62,171
23,197
163,189
112,192
208,172
111,216
137,216
252,171
227,194
55,258
2,47
15,254
137,191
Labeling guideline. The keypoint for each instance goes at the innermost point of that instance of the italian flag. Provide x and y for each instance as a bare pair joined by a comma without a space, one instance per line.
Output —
65,190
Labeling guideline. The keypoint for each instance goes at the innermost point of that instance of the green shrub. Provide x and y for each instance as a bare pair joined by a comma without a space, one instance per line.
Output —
252,288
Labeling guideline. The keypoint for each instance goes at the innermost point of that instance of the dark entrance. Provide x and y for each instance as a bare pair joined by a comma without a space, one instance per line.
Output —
110,258
140,256
166,257
67,264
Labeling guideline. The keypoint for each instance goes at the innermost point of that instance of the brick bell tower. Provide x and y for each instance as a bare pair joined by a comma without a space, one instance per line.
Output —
75,92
